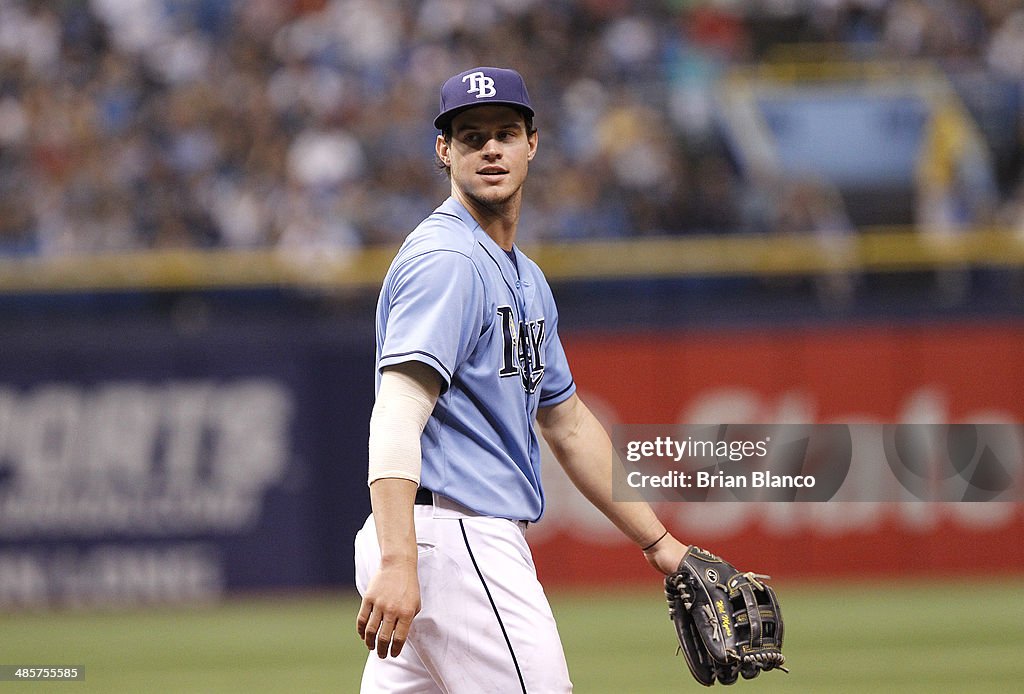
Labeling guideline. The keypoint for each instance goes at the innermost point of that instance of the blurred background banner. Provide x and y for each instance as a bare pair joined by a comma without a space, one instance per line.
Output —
185,448
144,463
788,462
764,212
924,374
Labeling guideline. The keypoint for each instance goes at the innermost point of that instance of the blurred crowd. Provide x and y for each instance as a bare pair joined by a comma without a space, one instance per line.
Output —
131,124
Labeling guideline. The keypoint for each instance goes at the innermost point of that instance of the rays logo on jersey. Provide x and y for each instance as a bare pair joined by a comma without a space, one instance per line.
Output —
522,351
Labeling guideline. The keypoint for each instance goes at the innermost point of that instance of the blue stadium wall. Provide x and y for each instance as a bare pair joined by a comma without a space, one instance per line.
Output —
166,448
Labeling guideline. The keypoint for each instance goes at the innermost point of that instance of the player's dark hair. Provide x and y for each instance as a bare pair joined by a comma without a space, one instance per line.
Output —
446,133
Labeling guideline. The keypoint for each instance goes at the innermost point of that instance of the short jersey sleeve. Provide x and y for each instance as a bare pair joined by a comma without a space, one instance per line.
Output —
431,311
558,383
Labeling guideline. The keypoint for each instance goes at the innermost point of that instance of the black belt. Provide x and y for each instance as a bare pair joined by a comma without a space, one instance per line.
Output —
425,497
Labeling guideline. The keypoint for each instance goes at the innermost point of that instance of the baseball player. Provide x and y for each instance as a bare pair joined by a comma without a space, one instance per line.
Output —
469,370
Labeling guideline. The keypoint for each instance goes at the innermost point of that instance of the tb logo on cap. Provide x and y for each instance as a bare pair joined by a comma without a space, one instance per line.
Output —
480,84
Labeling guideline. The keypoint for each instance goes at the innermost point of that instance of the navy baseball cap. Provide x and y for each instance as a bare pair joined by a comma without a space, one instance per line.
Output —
480,86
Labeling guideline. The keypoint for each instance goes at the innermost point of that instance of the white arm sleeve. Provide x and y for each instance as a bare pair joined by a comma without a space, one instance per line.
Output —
399,415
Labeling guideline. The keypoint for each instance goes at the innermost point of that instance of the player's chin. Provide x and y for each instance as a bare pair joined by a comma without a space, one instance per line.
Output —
495,195
495,183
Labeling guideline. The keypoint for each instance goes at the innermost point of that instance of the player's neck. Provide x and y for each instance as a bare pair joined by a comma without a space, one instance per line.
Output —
500,221
504,236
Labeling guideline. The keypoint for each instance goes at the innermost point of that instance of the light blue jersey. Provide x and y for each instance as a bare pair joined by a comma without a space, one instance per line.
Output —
454,300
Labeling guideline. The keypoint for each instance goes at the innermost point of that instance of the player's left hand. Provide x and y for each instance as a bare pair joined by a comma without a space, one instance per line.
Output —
728,623
666,554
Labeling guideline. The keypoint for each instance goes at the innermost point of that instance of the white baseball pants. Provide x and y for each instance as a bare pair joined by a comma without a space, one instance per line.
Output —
485,626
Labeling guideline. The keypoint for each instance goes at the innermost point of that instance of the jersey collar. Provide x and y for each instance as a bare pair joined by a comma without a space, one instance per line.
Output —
454,207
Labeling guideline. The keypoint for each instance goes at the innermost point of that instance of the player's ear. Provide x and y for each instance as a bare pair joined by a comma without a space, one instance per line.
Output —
442,148
532,139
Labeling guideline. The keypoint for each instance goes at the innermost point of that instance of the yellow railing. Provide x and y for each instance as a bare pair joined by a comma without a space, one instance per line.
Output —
874,250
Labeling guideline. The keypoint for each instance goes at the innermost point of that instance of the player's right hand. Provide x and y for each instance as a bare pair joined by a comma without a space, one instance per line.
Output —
391,601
